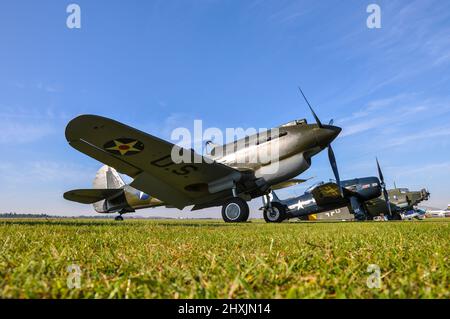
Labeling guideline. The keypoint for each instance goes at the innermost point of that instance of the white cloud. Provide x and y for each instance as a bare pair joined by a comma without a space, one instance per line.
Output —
16,132
409,138
21,125
14,174
396,110
376,105
47,87
432,168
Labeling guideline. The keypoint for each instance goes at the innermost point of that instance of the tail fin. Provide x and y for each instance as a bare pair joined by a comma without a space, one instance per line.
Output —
107,178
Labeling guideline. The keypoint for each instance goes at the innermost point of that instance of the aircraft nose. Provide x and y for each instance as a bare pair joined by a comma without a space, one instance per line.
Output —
327,134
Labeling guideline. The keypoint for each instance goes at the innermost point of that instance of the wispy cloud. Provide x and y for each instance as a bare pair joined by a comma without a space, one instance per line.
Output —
39,85
32,114
15,174
15,132
422,135
374,106
47,87
396,110
431,168
281,12
21,125
48,171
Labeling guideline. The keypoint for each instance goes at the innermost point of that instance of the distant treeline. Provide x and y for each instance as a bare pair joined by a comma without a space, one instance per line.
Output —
106,216
15,215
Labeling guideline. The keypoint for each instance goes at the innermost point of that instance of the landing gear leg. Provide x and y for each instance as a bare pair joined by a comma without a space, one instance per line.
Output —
273,212
358,209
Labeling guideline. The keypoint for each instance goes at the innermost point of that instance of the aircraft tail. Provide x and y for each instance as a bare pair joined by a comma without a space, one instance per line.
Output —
107,178
107,185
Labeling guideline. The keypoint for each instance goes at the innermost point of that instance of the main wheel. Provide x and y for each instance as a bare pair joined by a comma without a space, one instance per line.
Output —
276,214
119,218
235,210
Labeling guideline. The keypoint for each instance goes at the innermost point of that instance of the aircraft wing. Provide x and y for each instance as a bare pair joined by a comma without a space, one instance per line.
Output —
289,183
327,194
147,159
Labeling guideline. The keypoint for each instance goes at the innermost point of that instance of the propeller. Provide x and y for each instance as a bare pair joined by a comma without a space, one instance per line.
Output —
333,164
426,193
331,156
383,186
319,124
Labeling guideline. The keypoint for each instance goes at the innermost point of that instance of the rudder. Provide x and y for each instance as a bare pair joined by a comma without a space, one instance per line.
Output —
107,178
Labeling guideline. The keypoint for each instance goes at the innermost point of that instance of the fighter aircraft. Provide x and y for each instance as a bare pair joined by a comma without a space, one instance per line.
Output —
365,197
225,178
324,197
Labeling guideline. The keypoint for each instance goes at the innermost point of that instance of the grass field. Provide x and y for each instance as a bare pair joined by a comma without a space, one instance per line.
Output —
211,259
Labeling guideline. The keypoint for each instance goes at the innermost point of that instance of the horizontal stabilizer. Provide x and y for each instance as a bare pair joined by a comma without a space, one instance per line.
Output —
90,196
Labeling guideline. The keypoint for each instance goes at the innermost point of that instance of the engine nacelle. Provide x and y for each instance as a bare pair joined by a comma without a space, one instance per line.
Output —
283,170
366,188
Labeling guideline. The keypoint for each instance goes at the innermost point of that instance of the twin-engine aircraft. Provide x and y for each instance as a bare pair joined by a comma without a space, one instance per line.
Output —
366,198
402,202
227,179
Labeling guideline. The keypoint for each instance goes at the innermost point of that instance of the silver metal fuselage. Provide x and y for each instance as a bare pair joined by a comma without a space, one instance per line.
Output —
294,145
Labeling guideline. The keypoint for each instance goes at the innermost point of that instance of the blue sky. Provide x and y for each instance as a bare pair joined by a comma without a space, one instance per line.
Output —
157,65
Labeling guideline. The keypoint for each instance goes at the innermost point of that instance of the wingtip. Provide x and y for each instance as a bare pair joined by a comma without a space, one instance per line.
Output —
77,122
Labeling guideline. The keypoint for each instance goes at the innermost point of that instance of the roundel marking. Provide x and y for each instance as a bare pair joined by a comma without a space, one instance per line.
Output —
124,146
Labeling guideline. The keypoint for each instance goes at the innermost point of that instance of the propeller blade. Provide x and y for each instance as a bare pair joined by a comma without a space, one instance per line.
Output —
331,156
319,124
380,174
383,186
333,164
386,198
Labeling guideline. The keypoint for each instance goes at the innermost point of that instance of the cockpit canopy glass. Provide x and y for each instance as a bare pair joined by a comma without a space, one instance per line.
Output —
295,122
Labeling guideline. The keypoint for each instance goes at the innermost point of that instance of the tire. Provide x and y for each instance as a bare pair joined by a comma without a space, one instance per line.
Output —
277,215
235,210
118,218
